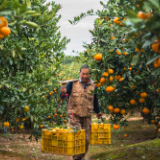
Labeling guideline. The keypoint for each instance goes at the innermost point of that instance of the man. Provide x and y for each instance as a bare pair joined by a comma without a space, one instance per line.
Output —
81,104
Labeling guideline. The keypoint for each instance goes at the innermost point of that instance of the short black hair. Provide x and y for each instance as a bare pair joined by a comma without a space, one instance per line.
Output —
85,66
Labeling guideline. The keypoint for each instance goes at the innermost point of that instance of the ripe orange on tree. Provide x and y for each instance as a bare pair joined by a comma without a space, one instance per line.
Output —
125,135
125,53
116,126
1,36
26,108
123,111
41,126
105,74
97,84
143,15
110,107
102,80
141,100
159,130
60,115
116,110
21,127
5,31
65,121
110,89
152,121
124,127
111,78
6,124
49,116
98,56
17,119
132,102
156,46
112,38
110,71
121,79
145,110
3,21
116,20
143,94
137,50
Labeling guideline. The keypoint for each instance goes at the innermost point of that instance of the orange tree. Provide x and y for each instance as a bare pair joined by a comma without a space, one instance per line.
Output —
29,64
121,56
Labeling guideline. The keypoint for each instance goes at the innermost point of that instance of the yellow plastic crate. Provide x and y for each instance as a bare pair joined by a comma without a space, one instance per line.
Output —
69,136
55,150
83,149
107,134
93,135
83,134
60,143
94,127
77,142
107,140
61,150
107,127
78,134
69,151
69,144
45,141
44,148
83,141
54,142
46,134
77,150
100,134
50,149
99,141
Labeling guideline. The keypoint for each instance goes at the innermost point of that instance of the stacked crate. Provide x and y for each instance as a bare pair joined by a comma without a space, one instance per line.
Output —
63,141
100,134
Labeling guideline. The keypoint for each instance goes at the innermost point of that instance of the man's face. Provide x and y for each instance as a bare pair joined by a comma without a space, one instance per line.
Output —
84,75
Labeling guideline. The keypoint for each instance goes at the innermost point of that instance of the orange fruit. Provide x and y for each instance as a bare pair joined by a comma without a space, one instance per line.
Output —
119,53
157,62
110,89
106,18
49,116
153,121
156,45
137,5
116,126
102,80
125,135
6,124
111,78
65,121
141,100
5,31
1,36
121,79
21,127
3,22
110,71
97,84
159,130
125,53
132,102
133,86
122,111
26,109
111,25
105,74
112,38
116,20
142,15
143,95
98,56
159,123
123,39
137,50
124,127
17,119
116,110
41,126
145,110
110,107
60,115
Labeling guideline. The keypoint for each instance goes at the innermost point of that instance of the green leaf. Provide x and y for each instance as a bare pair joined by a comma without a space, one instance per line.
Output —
152,59
135,59
136,20
131,13
155,3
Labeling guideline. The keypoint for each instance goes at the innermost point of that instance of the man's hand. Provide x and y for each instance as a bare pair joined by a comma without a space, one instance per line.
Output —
63,90
99,115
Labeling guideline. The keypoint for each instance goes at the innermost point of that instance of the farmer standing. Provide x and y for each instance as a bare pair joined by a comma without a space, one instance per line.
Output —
82,104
